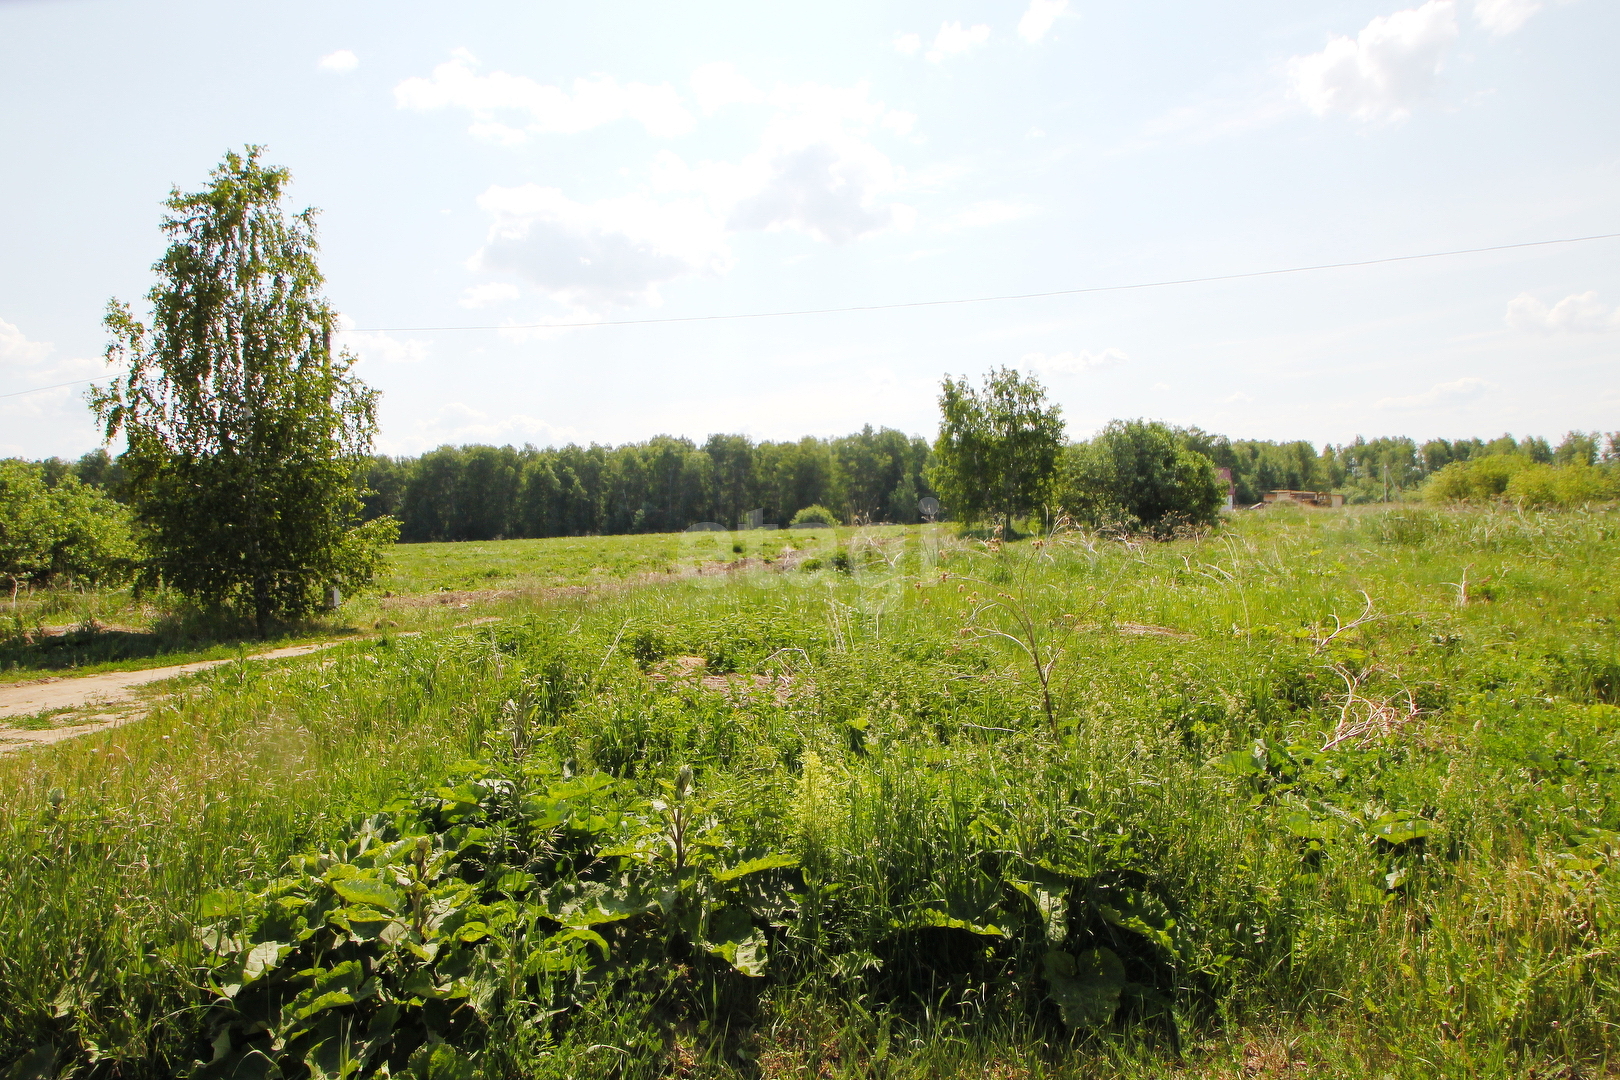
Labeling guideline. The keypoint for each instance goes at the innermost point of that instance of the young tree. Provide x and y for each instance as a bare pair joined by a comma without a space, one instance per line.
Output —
69,532
245,430
997,452
1140,473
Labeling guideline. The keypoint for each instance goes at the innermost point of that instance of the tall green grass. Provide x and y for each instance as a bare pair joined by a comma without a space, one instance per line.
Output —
887,725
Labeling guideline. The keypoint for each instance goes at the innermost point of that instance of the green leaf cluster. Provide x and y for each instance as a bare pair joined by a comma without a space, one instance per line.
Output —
494,895
1138,474
245,429
997,453
66,531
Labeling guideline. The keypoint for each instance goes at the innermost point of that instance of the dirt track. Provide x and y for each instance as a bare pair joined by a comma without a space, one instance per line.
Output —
111,695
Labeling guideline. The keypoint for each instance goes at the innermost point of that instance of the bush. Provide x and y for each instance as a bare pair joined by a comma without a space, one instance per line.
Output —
1474,481
815,513
1140,475
1560,485
1520,480
67,532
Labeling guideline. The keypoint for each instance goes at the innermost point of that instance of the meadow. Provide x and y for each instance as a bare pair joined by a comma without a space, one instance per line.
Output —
427,586
1320,793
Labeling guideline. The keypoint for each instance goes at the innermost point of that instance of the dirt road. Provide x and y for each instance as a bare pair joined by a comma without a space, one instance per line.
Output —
110,699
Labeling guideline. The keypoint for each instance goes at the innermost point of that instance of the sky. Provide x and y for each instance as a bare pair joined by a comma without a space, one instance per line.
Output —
523,165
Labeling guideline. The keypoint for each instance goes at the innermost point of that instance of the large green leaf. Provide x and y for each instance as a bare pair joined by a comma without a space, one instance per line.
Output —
262,958
591,903
1085,988
754,866
440,1062
1399,828
932,917
730,935
220,905
1052,903
366,891
1144,914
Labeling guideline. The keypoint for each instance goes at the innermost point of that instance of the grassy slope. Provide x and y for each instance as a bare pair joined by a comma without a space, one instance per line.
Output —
916,758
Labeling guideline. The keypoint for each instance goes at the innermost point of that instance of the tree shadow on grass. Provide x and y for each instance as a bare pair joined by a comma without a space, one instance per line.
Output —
26,646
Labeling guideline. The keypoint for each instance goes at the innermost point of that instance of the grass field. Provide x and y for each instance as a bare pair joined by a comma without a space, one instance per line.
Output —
427,586
1326,794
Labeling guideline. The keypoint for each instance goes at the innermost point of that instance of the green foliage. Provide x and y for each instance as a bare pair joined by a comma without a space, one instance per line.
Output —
663,484
244,429
997,452
496,898
1139,475
66,532
1520,479
1341,785
814,513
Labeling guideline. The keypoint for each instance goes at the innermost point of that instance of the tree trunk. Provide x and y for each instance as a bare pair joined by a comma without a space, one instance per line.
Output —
261,604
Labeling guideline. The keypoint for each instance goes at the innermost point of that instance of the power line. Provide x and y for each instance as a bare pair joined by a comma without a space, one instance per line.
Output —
986,299
940,303
40,389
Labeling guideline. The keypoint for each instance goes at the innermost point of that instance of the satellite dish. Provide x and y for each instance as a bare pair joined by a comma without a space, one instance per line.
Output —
707,526
928,507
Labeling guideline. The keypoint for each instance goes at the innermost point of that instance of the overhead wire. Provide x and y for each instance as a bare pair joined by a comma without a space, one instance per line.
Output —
985,299
997,298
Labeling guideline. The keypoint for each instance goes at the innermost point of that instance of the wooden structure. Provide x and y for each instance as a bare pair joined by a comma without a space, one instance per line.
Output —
1304,498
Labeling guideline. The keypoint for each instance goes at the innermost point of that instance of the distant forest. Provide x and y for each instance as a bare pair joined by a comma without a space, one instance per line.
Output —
667,483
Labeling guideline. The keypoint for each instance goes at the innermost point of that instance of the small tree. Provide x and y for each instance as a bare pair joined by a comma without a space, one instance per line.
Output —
245,431
68,532
1138,473
997,452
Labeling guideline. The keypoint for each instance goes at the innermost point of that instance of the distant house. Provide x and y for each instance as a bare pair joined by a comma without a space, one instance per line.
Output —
1305,498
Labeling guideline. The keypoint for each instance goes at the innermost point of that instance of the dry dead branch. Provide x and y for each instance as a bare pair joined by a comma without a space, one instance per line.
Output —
1362,717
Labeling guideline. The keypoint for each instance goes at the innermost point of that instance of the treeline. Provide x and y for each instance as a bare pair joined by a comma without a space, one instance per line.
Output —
665,483
1379,470
661,485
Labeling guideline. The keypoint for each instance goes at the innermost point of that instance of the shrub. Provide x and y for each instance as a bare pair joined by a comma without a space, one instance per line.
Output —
1139,474
1520,480
69,531
815,513
1474,481
1560,485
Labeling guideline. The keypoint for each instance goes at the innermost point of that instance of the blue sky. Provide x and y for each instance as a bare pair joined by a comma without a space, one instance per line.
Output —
510,164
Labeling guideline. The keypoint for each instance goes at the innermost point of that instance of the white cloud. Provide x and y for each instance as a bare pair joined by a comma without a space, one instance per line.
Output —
1039,18
377,348
46,421
613,251
1384,71
549,109
343,61
1212,118
816,170
384,349
954,39
909,44
1502,17
720,84
17,351
1237,398
1579,313
1067,363
1449,393
984,214
491,293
